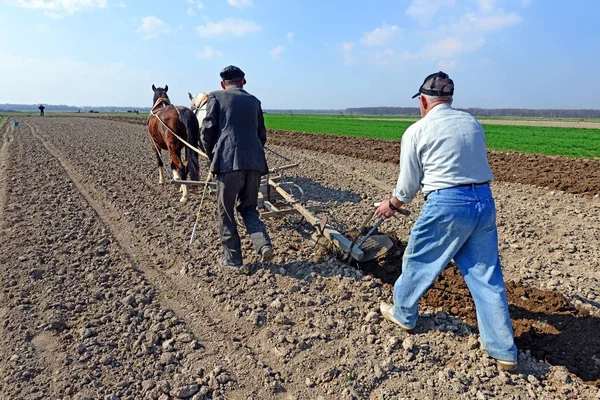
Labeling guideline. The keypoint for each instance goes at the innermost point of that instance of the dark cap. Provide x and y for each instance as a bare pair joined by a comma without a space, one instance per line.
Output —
438,84
231,73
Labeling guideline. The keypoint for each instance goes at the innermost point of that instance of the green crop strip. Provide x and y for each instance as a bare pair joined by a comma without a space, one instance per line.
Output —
569,142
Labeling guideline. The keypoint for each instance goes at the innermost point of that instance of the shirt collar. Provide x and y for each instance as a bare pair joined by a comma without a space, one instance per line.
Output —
442,106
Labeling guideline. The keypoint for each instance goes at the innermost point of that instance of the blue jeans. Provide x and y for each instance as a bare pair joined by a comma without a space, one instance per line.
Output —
458,223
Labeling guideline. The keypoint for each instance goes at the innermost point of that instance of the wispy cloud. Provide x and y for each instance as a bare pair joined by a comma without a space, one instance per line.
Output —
450,41
347,49
240,3
153,27
486,5
208,53
425,10
485,22
229,27
379,36
193,6
58,8
290,37
276,52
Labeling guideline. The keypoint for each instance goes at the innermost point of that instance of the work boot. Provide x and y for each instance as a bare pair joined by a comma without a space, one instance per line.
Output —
228,266
509,366
386,312
266,253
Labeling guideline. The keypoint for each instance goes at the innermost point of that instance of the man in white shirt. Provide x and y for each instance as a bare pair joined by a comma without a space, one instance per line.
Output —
444,155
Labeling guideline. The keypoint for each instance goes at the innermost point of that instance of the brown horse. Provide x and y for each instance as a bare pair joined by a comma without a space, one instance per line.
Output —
164,124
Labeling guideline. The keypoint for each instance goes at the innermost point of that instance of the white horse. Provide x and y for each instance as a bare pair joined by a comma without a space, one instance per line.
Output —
199,105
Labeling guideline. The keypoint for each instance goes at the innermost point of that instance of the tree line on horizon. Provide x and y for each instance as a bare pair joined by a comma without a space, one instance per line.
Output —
476,111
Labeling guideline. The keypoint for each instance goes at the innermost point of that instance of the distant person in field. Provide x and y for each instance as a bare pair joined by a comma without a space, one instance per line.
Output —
41,108
444,154
233,134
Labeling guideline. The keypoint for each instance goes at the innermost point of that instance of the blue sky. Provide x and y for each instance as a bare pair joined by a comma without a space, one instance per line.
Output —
303,53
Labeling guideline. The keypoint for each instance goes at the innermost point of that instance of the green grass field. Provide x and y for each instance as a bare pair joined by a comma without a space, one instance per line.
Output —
569,142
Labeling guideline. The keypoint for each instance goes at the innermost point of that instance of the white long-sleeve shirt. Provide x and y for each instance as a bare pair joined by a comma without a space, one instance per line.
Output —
445,148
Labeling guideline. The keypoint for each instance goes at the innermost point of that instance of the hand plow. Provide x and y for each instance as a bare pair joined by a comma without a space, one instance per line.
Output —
278,197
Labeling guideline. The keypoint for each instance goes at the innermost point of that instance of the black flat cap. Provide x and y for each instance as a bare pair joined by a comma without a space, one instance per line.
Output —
437,84
231,73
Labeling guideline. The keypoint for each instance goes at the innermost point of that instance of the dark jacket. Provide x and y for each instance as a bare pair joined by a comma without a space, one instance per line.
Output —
233,132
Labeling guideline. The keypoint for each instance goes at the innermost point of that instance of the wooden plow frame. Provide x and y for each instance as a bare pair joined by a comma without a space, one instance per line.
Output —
273,188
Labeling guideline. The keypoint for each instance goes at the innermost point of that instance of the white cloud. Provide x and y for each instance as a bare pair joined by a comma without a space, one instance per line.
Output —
451,41
240,3
153,27
379,36
347,51
276,52
425,10
58,8
193,6
227,28
290,37
121,5
209,53
486,5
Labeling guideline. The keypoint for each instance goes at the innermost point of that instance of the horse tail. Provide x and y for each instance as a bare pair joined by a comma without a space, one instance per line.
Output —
192,129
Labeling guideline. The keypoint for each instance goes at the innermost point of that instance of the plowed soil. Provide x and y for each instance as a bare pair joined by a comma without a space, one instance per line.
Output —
102,297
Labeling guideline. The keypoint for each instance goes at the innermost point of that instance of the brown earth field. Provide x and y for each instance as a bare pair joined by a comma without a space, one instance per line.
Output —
102,298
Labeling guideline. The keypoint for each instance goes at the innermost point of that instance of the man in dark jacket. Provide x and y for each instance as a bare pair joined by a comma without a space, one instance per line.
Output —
233,134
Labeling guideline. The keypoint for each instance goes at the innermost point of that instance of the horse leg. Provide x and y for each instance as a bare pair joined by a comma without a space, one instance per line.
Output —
161,173
179,174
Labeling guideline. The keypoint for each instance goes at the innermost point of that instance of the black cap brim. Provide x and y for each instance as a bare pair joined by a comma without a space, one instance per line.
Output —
418,94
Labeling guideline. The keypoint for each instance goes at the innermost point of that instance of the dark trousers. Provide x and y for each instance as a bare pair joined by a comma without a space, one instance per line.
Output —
241,187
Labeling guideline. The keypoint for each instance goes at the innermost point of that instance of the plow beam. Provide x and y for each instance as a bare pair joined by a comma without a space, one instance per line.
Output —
338,240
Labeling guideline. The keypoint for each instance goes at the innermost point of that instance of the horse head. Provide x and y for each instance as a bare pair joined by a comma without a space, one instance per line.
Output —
198,103
198,100
159,93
